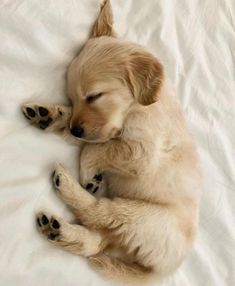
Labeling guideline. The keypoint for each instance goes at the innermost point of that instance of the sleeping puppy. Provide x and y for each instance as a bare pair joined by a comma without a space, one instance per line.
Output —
139,177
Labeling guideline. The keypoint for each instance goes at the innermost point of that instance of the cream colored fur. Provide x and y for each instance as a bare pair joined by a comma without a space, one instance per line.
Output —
135,134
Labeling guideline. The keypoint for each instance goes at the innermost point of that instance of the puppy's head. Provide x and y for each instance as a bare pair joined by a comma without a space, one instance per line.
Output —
106,79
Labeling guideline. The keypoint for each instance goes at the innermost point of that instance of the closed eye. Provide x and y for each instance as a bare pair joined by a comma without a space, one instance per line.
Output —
93,97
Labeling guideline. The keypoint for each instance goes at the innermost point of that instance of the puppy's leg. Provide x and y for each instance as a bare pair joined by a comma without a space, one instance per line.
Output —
71,237
69,190
79,240
100,213
87,208
48,117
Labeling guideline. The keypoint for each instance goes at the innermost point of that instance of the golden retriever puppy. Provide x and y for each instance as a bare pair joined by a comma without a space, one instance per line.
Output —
139,176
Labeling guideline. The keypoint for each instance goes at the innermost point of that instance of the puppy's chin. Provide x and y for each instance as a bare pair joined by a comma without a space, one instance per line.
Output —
94,139
100,138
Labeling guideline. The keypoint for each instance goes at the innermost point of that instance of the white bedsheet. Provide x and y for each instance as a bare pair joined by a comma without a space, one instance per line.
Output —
196,41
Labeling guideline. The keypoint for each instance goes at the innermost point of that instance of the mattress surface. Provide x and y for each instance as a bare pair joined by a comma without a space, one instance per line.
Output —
196,42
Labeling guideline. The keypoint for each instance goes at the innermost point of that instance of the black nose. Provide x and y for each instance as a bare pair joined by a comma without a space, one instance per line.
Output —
77,131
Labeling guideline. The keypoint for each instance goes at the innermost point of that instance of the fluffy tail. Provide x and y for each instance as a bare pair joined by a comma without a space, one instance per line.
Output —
114,268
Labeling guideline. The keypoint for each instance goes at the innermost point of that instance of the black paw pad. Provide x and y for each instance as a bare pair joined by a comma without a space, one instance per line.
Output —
43,111
30,112
57,181
38,222
89,186
44,220
52,236
95,190
43,124
55,224
98,177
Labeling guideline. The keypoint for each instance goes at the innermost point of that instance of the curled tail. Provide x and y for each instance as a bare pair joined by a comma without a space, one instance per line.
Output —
114,268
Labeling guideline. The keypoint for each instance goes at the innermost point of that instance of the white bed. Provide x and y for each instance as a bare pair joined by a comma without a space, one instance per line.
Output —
196,41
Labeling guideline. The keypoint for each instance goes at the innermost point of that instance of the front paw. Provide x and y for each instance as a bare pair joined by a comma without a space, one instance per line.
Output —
45,117
62,179
38,115
96,186
49,226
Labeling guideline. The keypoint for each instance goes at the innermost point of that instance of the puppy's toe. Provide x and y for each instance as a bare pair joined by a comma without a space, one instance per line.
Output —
43,124
29,112
56,180
42,221
53,236
57,176
55,224
95,185
92,188
61,178
43,111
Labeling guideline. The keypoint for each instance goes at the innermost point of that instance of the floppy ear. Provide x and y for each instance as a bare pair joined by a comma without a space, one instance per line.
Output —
104,23
144,77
